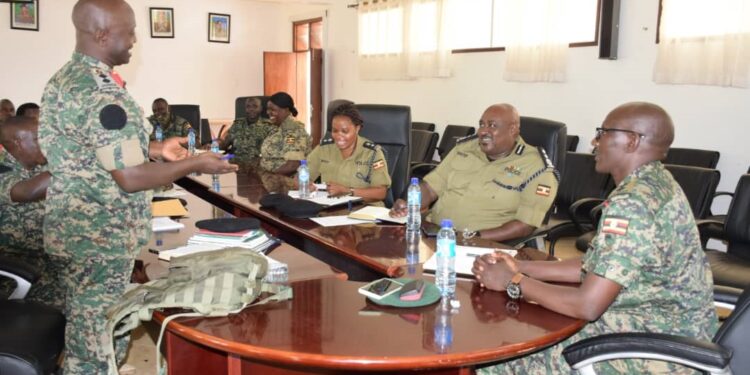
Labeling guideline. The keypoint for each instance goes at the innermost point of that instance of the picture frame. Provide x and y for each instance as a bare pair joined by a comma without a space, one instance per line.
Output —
219,27
162,22
24,15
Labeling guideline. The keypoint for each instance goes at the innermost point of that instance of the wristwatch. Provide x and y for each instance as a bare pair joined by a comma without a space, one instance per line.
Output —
514,286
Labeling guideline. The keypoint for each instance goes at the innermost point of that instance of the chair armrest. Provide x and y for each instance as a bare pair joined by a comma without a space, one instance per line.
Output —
706,222
422,169
21,273
519,242
726,296
580,212
702,355
723,193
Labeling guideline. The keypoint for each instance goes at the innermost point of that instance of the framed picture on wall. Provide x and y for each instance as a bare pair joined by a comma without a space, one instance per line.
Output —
24,15
219,27
162,22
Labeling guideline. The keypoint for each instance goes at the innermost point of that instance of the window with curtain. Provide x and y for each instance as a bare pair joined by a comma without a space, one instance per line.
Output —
403,39
704,42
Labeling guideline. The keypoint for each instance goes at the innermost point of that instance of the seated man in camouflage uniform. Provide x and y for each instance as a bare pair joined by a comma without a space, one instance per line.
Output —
171,124
23,187
248,133
493,182
645,270
282,151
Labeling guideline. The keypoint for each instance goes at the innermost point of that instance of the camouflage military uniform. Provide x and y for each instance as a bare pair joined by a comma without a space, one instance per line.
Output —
248,138
366,167
289,142
477,193
90,125
648,243
175,127
21,237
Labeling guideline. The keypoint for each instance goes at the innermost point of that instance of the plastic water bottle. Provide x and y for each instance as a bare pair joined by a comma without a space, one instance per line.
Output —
445,274
443,329
303,178
215,145
191,142
413,205
159,133
215,182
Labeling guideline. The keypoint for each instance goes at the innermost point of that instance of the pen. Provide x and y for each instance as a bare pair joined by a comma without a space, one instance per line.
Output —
227,156
473,255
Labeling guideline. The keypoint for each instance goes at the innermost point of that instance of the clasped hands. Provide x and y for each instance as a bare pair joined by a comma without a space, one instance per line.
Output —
494,271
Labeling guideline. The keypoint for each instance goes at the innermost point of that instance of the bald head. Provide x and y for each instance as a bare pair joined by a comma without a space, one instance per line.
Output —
650,120
105,29
7,109
19,136
498,130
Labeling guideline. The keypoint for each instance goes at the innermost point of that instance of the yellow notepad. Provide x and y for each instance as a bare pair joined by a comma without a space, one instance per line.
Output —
169,207
373,213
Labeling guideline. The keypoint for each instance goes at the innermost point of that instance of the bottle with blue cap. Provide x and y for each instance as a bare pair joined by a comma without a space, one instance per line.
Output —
413,206
445,273
303,179
215,145
191,141
159,132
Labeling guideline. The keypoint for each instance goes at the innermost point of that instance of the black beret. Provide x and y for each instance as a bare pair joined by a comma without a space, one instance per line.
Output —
229,224
299,208
272,200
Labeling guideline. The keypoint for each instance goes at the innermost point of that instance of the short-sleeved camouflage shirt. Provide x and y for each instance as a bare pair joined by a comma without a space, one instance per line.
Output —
248,137
289,142
366,167
20,223
176,126
90,125
477,193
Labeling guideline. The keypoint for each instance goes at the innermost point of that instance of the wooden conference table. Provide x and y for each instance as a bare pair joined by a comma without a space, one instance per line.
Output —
329,328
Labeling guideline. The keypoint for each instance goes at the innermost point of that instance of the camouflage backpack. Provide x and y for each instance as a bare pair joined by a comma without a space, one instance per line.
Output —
214,283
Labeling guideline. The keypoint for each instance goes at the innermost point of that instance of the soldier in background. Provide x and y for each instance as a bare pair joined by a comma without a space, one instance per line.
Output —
171,124
282,151
98,208
248,133
23,187
645,270
7,109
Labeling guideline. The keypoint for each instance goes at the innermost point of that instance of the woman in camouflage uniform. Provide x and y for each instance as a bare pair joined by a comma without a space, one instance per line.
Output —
282,150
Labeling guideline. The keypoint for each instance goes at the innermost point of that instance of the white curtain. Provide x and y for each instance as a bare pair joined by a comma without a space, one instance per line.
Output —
704,42
403,39
537,40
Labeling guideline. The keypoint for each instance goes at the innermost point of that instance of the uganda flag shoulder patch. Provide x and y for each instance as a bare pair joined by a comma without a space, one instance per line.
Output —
378,164
615,225
543,190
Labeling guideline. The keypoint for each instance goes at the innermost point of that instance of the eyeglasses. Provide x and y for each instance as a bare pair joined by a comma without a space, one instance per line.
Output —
601,131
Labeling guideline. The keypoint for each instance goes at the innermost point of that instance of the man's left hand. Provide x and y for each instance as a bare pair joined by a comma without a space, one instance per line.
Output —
494,271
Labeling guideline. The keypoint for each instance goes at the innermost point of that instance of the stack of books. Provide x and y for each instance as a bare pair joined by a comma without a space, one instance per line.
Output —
206,240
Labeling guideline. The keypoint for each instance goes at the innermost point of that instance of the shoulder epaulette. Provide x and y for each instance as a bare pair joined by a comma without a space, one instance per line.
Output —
519,149
326,141
104,81
370,145
548,163
467,138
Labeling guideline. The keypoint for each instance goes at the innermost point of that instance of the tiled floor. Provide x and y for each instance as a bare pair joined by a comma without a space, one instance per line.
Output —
142,355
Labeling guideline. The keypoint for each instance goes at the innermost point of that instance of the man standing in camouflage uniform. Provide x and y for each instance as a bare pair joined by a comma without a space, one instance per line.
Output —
282,151
493,182
248,133
98,206
22,190
171,124
645,270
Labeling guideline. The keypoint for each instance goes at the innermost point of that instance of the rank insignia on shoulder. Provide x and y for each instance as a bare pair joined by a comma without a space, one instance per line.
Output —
290,140
370,145
378,164
512,170
615,225
326,141
104,81
519,149
467,138
543,190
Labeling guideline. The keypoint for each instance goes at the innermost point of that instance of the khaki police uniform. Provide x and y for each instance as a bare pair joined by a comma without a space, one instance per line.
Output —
366,167
289,142
477,193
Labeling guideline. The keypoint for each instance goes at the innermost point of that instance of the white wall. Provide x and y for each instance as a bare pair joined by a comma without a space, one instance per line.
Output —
187,69
705,117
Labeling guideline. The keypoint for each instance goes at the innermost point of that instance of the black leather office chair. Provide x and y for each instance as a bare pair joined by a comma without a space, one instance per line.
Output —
239,106
451,134
423,126
31,334
423,145
192,113
726,351
732,268
390,127
692,156
571,143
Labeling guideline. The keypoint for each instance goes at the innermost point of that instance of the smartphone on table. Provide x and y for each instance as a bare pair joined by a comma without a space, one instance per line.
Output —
380,289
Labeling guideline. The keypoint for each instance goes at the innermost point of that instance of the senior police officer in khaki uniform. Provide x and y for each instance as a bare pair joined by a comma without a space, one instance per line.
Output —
98,207
282,151
349,164
247,134
23,186
493,183
645,270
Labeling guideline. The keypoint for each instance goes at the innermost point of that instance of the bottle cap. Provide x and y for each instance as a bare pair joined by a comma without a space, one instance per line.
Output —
303,162
446,223
414,180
